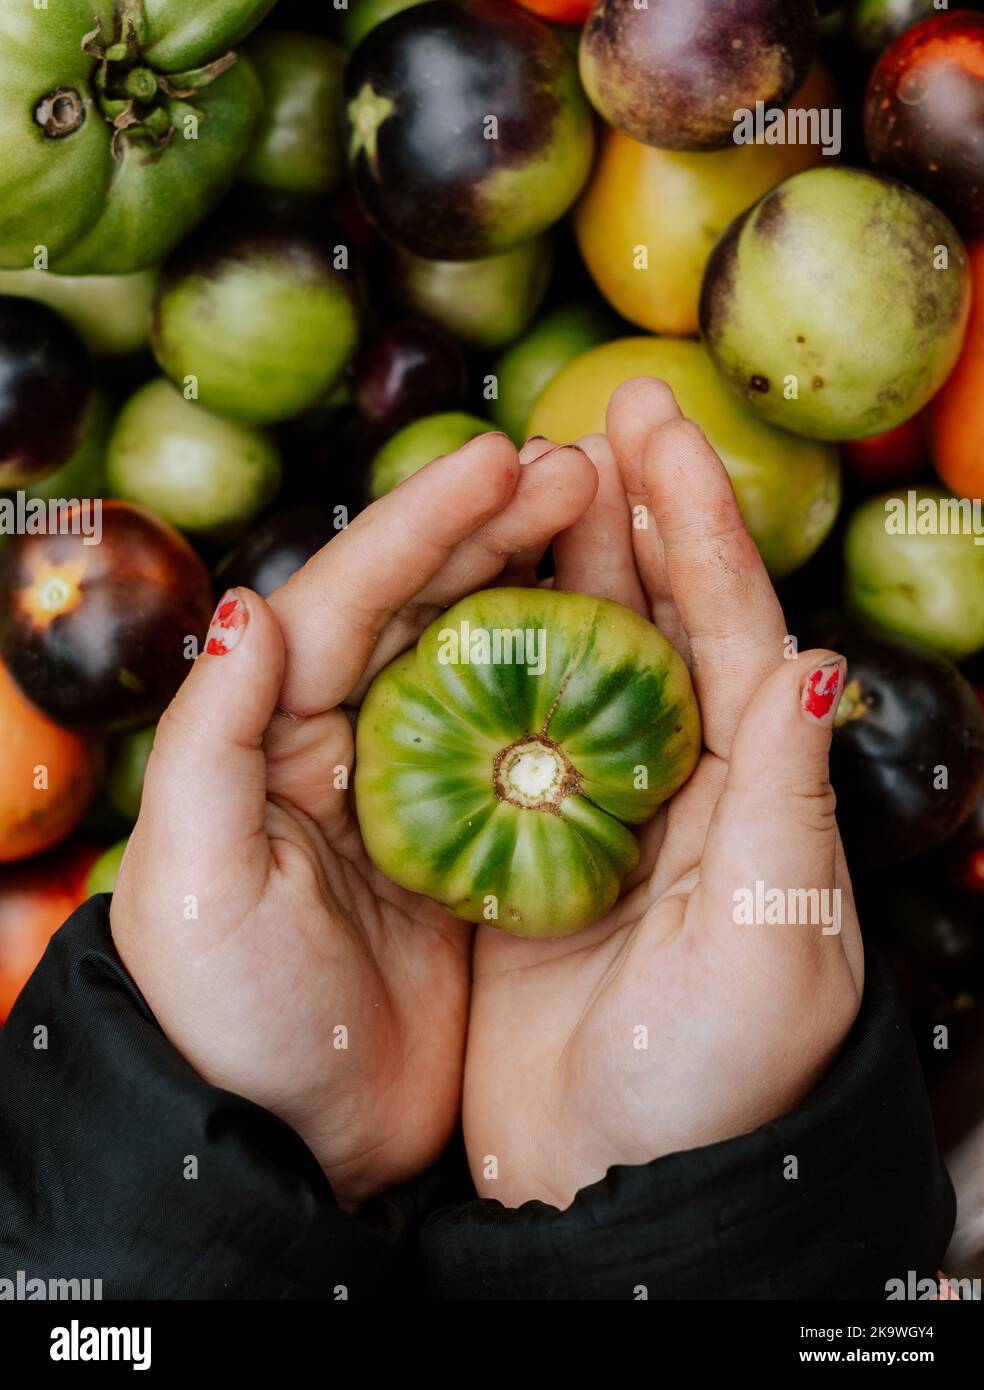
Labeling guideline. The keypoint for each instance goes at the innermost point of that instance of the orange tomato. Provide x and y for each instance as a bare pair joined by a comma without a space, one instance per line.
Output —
956,413
47,776
35,899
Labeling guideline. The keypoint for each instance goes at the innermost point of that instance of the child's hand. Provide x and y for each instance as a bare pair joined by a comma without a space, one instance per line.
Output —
673,1023
274,956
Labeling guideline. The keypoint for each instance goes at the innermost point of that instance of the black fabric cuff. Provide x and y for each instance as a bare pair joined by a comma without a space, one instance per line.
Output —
871,1201
118,1162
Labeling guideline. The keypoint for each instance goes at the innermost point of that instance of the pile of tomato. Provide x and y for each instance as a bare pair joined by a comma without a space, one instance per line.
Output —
257,265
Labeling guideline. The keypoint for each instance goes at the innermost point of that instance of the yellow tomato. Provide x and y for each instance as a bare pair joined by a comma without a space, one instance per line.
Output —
649,218
788,488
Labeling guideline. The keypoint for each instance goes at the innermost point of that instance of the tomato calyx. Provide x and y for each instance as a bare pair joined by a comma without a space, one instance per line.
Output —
854,705
131,95
367,111
535,774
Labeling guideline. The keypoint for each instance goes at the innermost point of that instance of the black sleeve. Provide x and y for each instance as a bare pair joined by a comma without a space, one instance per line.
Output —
871,1201
118,1162
97,1128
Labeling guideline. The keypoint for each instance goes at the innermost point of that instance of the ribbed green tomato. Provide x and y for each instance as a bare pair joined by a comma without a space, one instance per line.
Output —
500,762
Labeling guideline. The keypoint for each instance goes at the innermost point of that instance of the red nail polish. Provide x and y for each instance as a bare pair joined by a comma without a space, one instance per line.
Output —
823,689
228,624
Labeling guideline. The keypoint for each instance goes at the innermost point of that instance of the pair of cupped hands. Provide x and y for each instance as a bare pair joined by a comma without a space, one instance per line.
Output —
369,1019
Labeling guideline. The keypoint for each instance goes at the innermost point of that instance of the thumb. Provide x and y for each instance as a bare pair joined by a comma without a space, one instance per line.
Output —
205,787
774,822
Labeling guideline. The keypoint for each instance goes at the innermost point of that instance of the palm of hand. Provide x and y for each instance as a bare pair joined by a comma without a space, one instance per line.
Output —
666,1025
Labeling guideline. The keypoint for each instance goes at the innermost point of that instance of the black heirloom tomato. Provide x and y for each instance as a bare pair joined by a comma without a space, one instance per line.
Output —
45,385
99,636
907,760
406,369
468,129
275,547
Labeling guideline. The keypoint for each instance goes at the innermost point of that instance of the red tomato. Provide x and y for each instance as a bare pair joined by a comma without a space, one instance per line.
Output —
559,11
883,460
35,899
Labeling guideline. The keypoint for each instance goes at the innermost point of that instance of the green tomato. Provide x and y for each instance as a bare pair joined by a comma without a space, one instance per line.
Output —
910,581
362,16
525,369
300,144
788,488
126,767
836,306
500,762
487,302
259,317
111,313
122,125
202,473
405,452
102,876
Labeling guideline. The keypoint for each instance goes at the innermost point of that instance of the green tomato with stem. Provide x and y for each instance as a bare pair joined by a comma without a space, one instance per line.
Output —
123,123
501,762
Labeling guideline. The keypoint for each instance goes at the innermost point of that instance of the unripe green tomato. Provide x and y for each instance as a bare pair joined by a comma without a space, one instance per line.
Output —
918,584
202,473
418,443
525,369
102,876
126,766
487,303
501,761
299,146
111,313
261,319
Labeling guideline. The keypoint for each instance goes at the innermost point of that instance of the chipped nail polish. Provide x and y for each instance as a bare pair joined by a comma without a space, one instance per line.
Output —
822,691
228,624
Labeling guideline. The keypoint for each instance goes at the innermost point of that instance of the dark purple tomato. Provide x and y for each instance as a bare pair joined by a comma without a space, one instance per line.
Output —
924,113
408,369
101,635
673,73
45,381
275,548
468,130
907,759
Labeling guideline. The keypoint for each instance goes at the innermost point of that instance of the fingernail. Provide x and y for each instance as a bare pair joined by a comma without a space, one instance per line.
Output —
228,624
489,434
823,689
